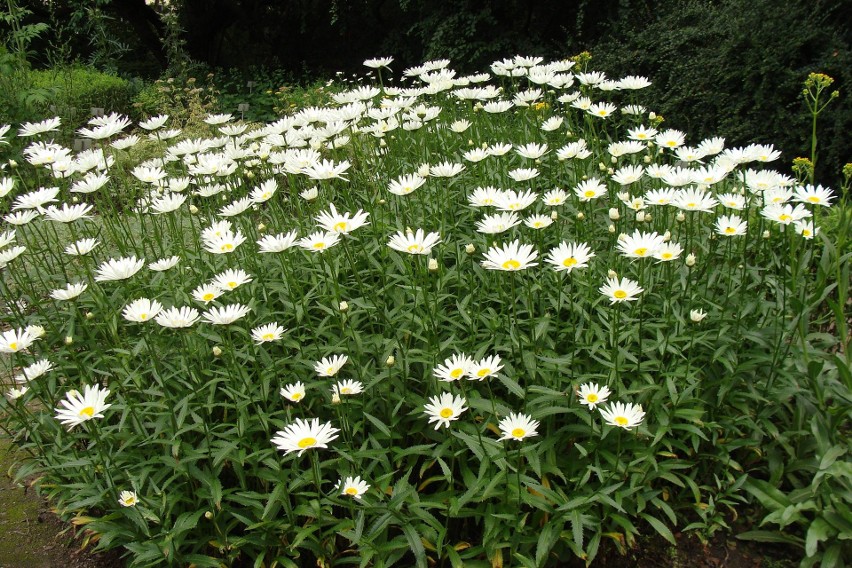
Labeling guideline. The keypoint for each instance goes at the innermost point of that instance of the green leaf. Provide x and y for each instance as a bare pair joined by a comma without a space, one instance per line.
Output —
660,527
548,537
769,536
817,532
831,456
415,544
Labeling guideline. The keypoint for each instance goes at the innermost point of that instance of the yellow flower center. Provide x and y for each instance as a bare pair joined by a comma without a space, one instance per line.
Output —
642,136
227,247
341,227
730,230
784,217
306,442
602,112
296,396
319,245
268,336
691,204
591,397
456,373
143,317
483,372
641,251
518,433
346,390
351,491
88,412
621,420
671,143
813,199
232,284
13,346
620,294
666,256
569,262
208,296
488,201
446,412
329,370
589,193
511,264
416,247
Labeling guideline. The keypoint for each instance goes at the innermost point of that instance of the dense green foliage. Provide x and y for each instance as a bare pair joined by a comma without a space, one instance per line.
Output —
704,304
79,89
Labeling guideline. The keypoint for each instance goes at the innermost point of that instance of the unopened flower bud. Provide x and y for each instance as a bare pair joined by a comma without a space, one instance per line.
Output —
208,515
344,306
614,215
580,216
765,234
391,361
217,351
69,340
433,265
554,215
697,315
193,209
667,236
640,216
690,259
648,217
611,228
250,174
382,201
423,170
647,159
469,248
611,273
602,167
335,398
13,164
680,217
89,315
261,227
614,160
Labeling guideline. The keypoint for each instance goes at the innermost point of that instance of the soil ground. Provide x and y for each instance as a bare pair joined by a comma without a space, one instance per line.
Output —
30,535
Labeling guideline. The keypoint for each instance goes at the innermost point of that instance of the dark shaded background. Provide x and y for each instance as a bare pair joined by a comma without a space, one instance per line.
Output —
732,68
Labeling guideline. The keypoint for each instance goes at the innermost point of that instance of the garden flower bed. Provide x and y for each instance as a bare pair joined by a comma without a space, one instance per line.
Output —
484,320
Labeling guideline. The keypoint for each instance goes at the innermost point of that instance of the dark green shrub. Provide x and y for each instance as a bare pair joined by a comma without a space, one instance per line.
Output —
77,89
736,68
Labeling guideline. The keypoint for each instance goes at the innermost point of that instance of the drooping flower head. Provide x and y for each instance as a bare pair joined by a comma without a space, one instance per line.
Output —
623,415
78,408
303,435
353,487
518,426
511,257
624,290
